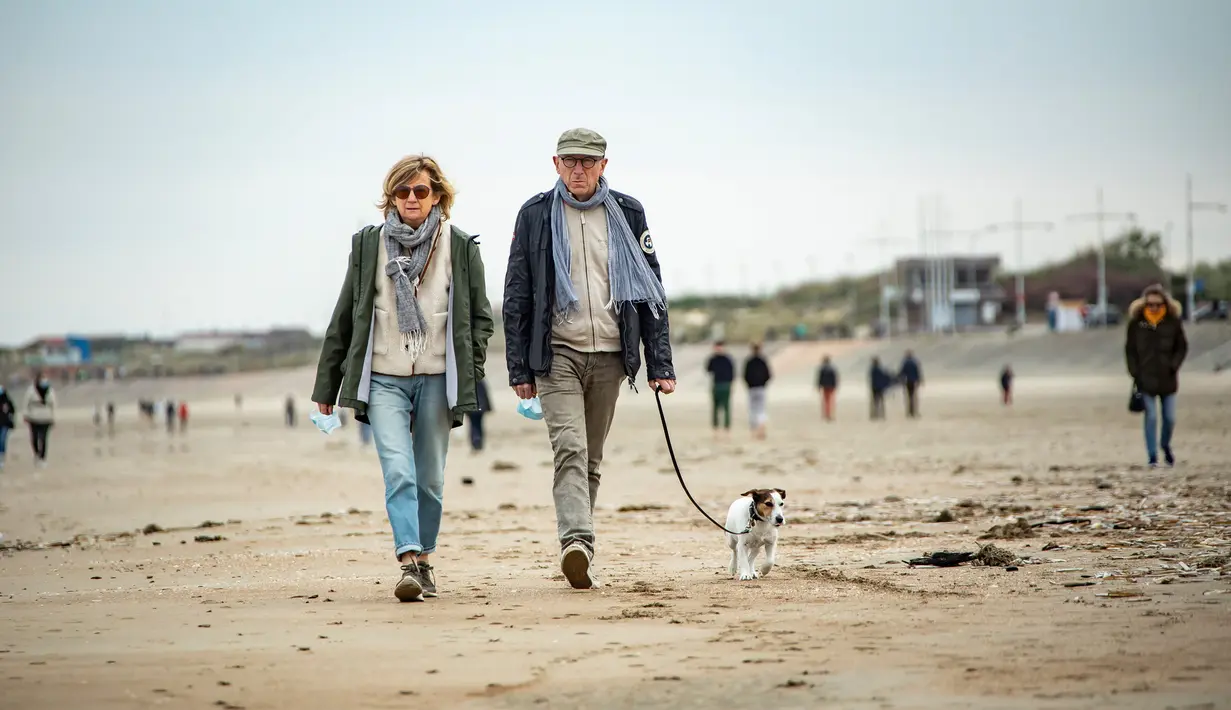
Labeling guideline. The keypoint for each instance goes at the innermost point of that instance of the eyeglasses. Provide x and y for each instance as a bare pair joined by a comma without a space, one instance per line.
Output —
1152,304
587,163
421,192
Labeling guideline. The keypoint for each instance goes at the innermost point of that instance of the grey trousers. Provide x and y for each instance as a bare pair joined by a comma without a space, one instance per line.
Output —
579,400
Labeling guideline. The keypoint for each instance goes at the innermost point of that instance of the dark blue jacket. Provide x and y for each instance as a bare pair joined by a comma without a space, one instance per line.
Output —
879,379
7,410
529,292
756,372
910,372
828,377
722,368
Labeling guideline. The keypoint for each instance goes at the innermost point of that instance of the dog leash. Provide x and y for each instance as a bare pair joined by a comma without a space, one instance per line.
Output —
662,417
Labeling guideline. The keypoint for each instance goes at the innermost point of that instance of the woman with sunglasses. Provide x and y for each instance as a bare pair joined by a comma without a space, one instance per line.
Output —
1154,350
405,349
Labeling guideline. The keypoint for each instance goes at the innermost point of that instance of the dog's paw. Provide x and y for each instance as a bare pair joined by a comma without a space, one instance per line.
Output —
746,576
764,570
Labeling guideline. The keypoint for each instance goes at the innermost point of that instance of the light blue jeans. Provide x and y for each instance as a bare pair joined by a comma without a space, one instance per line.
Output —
4,440
1151,422
413,460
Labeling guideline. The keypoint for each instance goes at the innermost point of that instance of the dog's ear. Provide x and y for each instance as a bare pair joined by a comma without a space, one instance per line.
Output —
752,493
781,493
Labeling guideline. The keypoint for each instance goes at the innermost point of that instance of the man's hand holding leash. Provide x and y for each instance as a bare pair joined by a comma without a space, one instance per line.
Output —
664,386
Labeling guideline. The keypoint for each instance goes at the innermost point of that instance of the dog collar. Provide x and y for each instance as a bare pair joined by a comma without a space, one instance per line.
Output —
752,517
752,511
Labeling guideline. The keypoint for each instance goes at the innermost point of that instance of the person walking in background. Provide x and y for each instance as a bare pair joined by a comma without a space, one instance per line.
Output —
1154,350
910,374
183,413
757,377
722,373
170,415
290,411
827,382
405,350
365,433
1006,385
879,381
111,419
476,417
8,412
40,416
583,294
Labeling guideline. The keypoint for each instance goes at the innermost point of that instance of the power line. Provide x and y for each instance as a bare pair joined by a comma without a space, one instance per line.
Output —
1189,207
1018,227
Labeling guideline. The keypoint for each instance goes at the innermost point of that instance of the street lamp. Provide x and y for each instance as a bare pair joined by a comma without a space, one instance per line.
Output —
1018,226
1100,216
1190,206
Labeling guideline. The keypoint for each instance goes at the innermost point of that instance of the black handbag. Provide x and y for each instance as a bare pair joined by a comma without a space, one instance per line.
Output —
1136,401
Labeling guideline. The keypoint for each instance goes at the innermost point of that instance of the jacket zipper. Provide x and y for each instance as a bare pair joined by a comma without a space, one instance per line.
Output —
585,250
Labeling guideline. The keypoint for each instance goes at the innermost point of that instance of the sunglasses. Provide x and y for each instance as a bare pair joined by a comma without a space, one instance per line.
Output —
587,163
421,192
1154,305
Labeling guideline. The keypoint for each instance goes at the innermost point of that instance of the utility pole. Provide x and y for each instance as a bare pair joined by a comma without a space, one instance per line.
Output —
943,270
886,245
1167,229
853,294
926,284
1100,216
1189,207
1018,227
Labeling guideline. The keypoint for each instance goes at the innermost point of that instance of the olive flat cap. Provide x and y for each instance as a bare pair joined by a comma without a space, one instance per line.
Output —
581,141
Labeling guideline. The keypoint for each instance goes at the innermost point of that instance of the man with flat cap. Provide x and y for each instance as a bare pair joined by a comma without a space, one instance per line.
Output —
583,295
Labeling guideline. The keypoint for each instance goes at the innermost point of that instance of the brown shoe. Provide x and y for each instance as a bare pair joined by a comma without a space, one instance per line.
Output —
410,588
575,563
427,578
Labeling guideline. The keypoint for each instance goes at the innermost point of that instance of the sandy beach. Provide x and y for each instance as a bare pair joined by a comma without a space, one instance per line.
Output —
243,564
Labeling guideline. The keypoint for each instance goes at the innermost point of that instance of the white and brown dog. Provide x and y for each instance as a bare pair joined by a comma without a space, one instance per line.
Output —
759,512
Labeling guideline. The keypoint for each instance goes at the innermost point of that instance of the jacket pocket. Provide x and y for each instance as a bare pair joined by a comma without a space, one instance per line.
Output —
381,331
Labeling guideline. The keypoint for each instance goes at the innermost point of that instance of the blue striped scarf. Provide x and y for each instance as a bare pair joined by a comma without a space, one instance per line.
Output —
628,271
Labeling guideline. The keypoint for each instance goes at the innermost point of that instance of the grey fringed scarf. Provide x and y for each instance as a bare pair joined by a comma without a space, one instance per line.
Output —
405,271
632,280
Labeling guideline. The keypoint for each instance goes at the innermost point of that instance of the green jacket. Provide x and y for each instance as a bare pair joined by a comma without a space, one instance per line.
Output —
343,375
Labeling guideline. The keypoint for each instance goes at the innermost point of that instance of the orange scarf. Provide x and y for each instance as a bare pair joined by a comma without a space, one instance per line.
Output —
1154,314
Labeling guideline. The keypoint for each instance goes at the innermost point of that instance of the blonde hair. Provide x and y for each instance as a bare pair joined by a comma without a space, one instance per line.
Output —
410,166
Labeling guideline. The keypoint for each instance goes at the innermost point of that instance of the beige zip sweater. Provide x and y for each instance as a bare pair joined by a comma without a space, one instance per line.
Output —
594,328
36,411
389,356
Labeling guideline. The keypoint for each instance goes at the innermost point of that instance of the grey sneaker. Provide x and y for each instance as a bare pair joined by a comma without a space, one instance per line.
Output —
427,579
575,563
410,588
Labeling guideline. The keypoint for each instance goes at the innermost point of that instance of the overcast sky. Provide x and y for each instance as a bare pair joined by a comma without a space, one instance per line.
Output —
169,165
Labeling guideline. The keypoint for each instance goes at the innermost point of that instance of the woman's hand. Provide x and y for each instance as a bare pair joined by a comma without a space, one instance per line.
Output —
325,409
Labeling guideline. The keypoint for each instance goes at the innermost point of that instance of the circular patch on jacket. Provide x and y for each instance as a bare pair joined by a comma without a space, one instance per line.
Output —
647,244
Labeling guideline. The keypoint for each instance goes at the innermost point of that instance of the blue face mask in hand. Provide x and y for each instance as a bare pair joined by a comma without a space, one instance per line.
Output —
325,422
530,409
